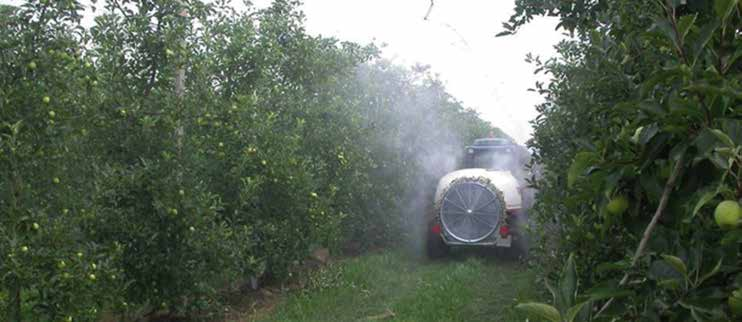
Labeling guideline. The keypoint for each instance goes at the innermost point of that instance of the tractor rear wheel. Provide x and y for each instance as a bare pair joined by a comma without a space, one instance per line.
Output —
519,247
435,247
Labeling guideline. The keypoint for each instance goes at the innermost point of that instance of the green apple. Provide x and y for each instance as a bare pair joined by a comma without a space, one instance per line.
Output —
32,65
181,192
52,114
55,180
46,99
617,205
24,249
61,264
727,214
35,226
92,277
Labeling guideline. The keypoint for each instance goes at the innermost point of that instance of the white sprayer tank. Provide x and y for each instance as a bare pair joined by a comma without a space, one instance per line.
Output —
503,180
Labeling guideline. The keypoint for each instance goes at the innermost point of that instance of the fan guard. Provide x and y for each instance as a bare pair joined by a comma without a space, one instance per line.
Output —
471,211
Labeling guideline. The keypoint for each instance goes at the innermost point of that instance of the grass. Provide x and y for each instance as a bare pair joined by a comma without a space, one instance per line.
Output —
393,286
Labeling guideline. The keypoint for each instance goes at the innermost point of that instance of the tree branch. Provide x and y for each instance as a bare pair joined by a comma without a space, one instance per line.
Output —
154,64
679,45
121,9
669,186
430,9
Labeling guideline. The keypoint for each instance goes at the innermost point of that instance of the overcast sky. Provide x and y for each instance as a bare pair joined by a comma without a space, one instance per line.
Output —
458,41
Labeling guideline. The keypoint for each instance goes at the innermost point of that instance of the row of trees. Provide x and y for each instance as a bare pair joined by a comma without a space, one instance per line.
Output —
173,147
640,136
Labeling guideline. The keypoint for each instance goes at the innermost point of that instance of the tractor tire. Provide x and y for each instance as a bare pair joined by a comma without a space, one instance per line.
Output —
435,247
520,245
519,248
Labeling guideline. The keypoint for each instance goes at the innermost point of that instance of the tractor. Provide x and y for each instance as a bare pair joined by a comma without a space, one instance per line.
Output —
481,204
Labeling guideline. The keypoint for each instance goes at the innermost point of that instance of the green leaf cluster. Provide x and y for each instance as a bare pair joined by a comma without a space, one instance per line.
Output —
641,88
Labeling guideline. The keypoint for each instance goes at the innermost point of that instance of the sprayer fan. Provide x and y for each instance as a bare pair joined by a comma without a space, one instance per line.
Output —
470,212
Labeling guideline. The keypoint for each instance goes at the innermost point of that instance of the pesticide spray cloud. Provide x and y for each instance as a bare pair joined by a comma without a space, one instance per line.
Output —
412,114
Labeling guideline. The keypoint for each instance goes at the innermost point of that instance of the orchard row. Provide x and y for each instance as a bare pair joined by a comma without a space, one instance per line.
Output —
173,149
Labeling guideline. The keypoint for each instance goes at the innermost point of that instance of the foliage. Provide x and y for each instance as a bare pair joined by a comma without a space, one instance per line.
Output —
174,147
642,106
570,306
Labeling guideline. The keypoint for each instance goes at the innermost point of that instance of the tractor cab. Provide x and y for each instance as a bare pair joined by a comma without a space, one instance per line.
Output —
491,154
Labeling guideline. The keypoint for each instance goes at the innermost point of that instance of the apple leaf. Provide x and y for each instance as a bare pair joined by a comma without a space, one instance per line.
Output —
580,164
707,196
541,310
572,312
724,8
676,264
712,272
723,137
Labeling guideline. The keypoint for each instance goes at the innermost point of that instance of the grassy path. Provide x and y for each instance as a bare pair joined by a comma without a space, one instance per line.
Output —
393,286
